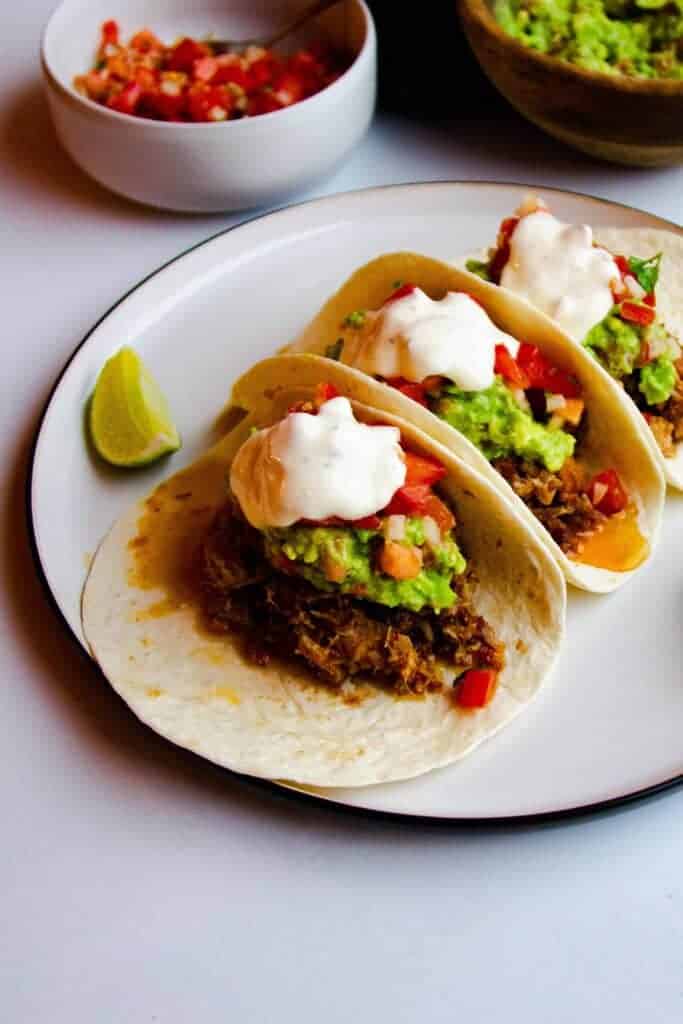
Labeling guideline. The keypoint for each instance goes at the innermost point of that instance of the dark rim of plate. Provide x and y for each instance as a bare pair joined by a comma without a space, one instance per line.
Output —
272,788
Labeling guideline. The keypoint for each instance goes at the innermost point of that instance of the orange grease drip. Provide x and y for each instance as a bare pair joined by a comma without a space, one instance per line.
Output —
618,546
176,516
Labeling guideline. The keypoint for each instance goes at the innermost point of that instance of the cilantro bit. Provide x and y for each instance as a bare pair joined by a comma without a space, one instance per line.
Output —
646,272
355,319
479,268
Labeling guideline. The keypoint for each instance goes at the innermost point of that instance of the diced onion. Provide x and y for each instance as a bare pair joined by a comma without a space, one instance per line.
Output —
395,528
634,287
554,403
599,492
530,204
432,532
521,399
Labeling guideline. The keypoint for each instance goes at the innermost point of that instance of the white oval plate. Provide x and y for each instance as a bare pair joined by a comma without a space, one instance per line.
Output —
609,726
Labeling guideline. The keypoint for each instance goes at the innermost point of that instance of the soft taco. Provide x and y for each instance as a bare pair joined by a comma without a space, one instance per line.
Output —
283,608
620,295
502,387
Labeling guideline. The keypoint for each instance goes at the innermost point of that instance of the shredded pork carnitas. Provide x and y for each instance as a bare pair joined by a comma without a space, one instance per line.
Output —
556,499
337,635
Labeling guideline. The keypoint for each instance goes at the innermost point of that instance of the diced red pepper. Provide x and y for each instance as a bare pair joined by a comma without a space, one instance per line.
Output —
502,253
110,33
476,688
127,100
324,392
610,496
400,293
508,368
422,469
184,54
409,388
637,313
542,374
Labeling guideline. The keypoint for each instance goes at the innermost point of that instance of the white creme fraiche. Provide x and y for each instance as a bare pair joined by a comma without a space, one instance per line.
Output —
314,467
557,268
417,337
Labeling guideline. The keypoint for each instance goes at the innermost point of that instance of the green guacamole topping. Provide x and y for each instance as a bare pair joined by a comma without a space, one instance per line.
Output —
633,37
311,547
494,421
617,344
657,380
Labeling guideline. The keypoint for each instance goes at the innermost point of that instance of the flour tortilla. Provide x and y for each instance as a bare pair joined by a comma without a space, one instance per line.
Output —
644,242
615,437
198,692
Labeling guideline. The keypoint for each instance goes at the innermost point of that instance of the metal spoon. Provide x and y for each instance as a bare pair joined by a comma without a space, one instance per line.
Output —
225,45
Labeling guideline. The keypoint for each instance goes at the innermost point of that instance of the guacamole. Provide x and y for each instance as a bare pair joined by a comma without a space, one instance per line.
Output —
640,38
494,421
311,547
617,346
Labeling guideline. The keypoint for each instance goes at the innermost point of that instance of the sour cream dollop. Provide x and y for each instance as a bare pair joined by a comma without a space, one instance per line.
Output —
557,268
313,467
416,337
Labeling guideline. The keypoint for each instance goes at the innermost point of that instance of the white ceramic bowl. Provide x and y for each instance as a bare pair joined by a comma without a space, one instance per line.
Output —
208,167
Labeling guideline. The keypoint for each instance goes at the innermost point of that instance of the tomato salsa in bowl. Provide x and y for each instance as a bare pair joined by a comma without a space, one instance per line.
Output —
209,133
186,81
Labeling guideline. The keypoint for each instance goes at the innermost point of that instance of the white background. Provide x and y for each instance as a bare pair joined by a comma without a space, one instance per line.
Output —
138,884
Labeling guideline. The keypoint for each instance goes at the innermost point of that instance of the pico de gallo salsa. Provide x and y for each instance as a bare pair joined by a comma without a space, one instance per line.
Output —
187,82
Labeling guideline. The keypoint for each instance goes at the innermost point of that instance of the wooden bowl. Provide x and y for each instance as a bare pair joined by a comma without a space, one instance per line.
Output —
632,121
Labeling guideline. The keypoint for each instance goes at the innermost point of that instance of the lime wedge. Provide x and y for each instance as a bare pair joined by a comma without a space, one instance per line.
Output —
129,419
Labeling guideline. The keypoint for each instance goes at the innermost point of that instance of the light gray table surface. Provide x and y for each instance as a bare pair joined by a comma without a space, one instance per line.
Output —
138,884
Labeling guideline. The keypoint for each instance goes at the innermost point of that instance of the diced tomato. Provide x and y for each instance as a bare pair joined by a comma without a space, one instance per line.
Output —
650,299
409,388
209,102
204,69
232,72
434,507
607,493
476,688
637,313
409,500
260,73
184,54
110,33
622,263
324,392
502,253
144,41
367,523
400,293
508,369
127,100
422,469
400,561
157,104
542,374
288,88
263,103
147,79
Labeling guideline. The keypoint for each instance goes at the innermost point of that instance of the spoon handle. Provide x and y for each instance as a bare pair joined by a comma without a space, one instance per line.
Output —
309,12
